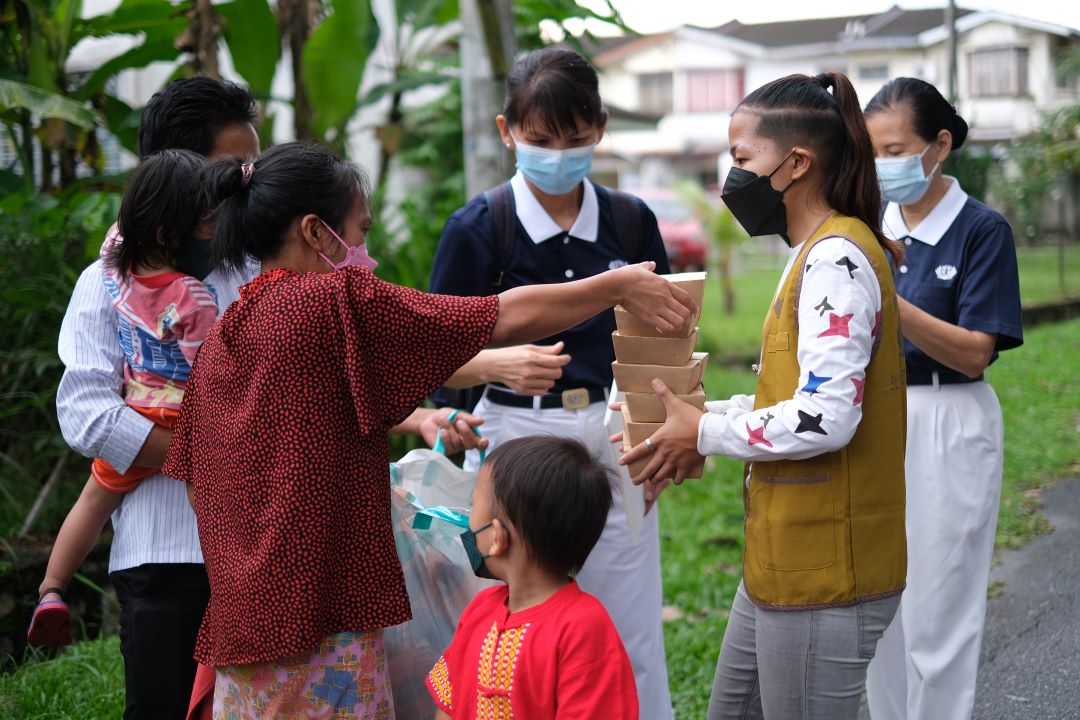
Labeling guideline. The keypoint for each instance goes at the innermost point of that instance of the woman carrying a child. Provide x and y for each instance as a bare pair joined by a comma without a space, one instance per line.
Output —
824,559
163,315
283,430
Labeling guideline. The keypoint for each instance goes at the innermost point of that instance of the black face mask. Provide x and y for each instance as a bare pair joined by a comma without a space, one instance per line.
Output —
195,257
755,203
476,558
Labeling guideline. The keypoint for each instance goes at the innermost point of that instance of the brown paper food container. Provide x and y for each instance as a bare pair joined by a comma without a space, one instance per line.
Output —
692,283
634,433
637,350
647,407
627,324
681,379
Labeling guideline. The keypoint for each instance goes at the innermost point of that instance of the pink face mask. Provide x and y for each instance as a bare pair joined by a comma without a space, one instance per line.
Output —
354,254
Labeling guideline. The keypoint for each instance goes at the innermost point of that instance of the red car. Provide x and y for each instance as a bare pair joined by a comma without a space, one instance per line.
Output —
685,241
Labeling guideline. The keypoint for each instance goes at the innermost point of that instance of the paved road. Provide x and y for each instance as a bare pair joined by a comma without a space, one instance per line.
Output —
1030,665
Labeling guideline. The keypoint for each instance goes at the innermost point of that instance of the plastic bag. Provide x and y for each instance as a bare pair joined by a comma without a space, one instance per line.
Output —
429,509
633,496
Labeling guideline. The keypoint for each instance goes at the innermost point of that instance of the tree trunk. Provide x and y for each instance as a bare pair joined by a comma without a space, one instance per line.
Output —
727,283
200,38
46,167
389,142
295,19
487,50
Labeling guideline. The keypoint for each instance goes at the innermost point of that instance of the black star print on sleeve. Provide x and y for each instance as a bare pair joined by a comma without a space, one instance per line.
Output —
810,423
846,263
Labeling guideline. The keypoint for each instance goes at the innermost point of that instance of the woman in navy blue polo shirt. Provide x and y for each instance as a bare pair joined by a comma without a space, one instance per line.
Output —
551,224
959,306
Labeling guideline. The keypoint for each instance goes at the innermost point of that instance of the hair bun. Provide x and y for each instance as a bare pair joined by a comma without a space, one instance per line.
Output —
825,80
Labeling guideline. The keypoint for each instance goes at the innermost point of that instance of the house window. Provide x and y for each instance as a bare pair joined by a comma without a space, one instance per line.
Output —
874,72
656,93
713,90
1066,58
999,72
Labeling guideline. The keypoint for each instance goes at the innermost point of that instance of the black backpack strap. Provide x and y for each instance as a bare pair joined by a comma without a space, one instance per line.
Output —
629,219
500,200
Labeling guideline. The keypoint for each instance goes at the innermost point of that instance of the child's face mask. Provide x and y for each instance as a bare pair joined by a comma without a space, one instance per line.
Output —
195,258
354,254
476,558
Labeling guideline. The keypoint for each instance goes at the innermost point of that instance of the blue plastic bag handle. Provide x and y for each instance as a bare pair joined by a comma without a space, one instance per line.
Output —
440,448
422,519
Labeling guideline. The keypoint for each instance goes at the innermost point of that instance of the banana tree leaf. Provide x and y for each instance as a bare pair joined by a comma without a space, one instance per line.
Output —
137,57
333,63
42,70
66,13
449,12
423,13
254,42
123,122
403,85
153,17
46,104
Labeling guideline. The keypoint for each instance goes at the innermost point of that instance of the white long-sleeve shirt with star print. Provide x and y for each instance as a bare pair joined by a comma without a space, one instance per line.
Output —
839,315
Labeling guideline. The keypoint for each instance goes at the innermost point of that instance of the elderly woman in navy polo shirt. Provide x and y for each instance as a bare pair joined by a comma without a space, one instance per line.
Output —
551,224
959,306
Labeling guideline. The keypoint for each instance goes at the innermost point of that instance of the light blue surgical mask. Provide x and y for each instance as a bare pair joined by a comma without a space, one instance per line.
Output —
556,172
902,179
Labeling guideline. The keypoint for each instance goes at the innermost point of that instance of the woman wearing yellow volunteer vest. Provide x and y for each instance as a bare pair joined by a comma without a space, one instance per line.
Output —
959,305
824,558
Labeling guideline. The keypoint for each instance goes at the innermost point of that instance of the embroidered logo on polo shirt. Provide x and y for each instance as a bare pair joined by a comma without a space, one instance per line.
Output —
945,272
616,264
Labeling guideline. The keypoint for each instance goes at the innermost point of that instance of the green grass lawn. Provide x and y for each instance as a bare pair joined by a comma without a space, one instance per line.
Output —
1040,274
83,682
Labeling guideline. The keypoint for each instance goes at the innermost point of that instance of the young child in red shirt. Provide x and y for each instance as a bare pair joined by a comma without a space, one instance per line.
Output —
537,647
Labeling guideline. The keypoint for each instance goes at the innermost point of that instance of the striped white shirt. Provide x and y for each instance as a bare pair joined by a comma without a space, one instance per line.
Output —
154,523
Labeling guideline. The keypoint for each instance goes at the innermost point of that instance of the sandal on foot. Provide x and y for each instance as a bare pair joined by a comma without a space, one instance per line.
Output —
51,624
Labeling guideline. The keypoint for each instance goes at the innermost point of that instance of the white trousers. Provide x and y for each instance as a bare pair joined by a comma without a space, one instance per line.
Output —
927,660
624,575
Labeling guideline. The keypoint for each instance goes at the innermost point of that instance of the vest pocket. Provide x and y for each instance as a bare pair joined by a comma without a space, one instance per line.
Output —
778,342
795,522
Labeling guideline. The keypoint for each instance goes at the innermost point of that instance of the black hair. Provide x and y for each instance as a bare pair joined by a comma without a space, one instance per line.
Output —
800,110
287,182
161,209
557,496
552,89
188,113
930,112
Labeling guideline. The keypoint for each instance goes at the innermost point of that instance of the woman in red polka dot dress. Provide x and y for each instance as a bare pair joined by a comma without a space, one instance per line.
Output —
283,431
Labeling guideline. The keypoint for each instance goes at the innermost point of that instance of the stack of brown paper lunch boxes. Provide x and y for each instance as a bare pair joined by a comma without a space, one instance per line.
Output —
643,353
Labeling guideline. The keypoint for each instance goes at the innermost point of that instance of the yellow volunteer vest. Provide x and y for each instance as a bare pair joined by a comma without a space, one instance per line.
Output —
829,530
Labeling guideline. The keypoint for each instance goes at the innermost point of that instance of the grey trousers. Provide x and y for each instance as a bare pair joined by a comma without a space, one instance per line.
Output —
800,665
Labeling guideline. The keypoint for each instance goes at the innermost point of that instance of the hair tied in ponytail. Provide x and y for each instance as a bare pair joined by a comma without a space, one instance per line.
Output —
826,81
248,169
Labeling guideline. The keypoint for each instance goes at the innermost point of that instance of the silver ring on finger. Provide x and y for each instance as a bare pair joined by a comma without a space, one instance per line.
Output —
649,444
